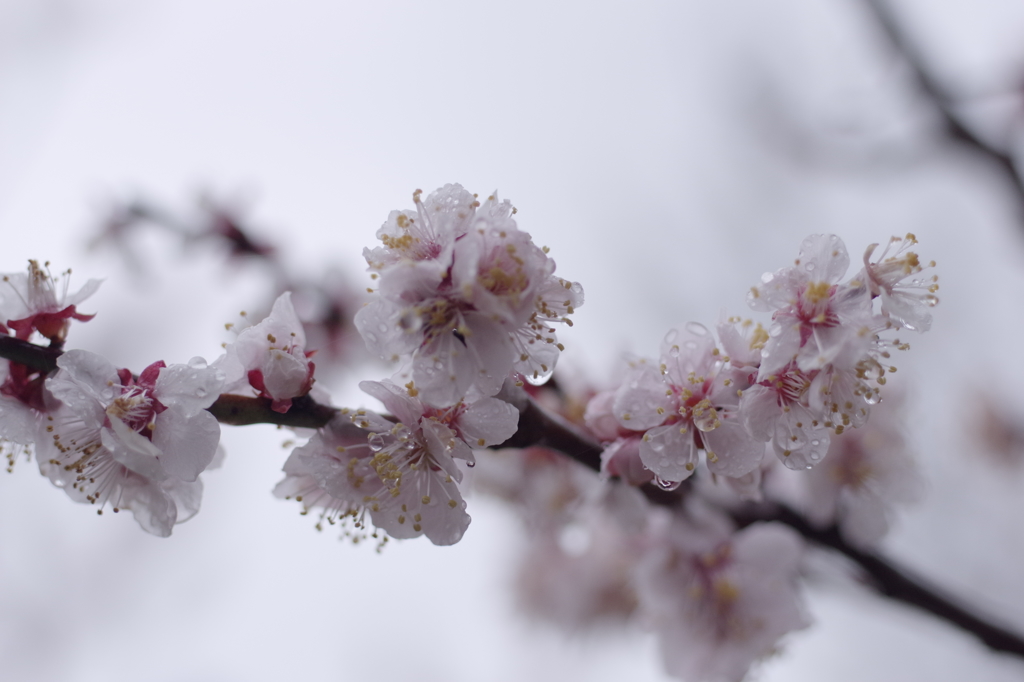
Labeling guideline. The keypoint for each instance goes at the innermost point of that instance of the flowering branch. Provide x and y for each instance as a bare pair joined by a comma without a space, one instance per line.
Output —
468,300
538,427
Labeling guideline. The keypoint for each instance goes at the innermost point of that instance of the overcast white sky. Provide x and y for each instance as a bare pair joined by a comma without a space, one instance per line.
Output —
667,152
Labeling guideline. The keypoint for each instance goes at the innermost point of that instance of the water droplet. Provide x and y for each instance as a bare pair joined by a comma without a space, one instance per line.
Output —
672,335
691,345
471,464
808,267
539,377
696,328
371,337
201,392
667,485
197,363
383,328
872,398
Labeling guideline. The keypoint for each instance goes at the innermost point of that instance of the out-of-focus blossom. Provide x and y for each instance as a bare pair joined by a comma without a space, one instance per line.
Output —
579,576
465,295
621,455
868,472
271,358
325,305
133,443
39,302
719,602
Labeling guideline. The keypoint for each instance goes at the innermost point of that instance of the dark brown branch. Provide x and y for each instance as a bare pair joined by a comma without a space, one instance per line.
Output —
29,354
940,100
240,410
887,579
538,427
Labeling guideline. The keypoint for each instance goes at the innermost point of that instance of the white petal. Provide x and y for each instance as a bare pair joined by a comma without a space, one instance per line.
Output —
487,422
193,387
669,451
187,442
736,452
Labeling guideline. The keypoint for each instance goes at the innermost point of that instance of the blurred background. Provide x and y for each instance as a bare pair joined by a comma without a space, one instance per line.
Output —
667,152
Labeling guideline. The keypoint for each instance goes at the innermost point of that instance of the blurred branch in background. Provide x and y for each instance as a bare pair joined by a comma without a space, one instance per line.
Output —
324,301
946,102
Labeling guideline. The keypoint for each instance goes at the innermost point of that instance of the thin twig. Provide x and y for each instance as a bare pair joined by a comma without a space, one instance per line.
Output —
941,101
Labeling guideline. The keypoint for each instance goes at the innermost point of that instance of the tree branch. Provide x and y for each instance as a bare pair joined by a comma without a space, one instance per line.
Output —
240,410
941,101
539,428
29,354
887,579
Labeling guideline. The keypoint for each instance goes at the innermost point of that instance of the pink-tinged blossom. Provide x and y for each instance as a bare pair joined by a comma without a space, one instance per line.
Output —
336,458
271,358
22,400
813,315
621,455
719,602
824,357
905,298
869,471
690,402
578,576
742,342
776,409
465,295
133,443
404,473
39,302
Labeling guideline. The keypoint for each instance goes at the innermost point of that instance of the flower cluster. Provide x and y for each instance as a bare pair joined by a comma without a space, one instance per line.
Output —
403,473
467,301
718,598
464,296
108,437
816,370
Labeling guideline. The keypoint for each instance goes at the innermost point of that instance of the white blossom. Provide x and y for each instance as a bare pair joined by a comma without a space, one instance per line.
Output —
270,357
717,601
403,474
689,402
465,296
133,443
39,302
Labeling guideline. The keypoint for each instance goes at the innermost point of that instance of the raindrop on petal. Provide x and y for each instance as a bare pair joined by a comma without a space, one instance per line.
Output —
666,485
